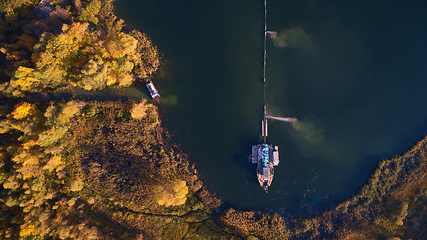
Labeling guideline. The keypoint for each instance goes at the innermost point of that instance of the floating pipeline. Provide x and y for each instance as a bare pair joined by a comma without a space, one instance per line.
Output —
287,119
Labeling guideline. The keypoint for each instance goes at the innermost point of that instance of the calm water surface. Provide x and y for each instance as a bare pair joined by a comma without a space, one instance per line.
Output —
355,78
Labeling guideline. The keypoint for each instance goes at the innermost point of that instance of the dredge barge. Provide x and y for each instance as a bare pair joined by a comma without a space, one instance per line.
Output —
266,158
265,155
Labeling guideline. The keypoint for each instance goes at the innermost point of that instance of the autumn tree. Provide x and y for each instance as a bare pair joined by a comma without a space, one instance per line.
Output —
108,19
94,75
36,186
61,51
119,45
57,128
172,193
90,11
24,110
24,79
69,110
25,118
148,56
139,110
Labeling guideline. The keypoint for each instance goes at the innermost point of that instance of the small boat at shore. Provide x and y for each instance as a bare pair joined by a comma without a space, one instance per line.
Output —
267,157
153,91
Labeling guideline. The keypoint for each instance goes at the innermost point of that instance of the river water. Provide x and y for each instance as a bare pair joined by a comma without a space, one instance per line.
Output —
352,72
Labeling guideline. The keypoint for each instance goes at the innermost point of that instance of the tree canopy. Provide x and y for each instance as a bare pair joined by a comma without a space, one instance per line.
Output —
65,47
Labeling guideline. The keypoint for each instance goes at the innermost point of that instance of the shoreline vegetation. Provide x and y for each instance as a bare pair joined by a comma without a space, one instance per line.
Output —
82,169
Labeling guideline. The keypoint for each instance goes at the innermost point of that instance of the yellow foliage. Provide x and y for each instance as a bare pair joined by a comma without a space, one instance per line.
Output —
102,51
252,238
38,185
5,126
65,27
88,14
28,145
26,230
180,189
53,163
24,79
11,183
125,80
77,185
111,79
139,110
50,195
26,159
50,111
31,161
24,110
23,71
121,45
25,84
51,135
54,62
20,158
126,66
29,171
68,112
94,75
91,200
72,201
171,194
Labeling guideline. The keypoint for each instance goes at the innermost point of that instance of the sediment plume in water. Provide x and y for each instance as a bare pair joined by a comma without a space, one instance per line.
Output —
291,120
272,34
294,37
310,132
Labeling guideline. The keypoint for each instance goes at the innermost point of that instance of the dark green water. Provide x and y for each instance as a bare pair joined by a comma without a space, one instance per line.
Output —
356,80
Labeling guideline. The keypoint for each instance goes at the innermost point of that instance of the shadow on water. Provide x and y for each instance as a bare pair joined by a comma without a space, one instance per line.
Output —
361,173
135,93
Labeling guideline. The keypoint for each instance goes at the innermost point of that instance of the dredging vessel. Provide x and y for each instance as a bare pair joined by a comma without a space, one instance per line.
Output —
266,158
265,155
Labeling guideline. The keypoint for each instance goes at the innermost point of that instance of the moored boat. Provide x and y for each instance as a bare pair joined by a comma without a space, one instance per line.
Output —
266,158
153,91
